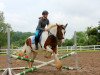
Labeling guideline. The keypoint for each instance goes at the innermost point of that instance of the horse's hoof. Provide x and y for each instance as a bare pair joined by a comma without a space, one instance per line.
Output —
59,68
58,65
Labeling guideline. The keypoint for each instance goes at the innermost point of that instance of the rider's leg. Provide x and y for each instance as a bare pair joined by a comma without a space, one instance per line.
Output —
40,32
36,39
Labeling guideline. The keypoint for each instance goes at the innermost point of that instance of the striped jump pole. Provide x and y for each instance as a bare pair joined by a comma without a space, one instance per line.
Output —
67,55
15,68
69,68
22,58
19,68
44,64
64,67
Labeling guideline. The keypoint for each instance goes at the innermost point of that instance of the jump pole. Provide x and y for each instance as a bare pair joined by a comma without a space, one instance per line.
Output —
15,68
30,60
22,58
44,64
51,64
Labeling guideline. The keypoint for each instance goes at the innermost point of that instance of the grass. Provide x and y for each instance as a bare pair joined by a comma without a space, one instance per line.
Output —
2,54
79,51
68,51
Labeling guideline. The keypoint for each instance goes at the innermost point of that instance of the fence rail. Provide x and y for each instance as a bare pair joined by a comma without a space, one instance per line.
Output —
89,47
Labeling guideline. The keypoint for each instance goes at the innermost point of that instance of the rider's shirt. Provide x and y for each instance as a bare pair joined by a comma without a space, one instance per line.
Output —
42,23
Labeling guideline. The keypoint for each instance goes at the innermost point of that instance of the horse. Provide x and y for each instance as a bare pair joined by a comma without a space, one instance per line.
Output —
48,42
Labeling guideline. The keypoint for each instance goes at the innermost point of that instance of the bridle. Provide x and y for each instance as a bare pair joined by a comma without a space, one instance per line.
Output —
54,35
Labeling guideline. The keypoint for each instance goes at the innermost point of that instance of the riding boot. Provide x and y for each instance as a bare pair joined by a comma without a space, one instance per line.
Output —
36,43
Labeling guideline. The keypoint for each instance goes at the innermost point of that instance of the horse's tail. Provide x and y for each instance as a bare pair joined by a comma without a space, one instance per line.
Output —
29,42
27,46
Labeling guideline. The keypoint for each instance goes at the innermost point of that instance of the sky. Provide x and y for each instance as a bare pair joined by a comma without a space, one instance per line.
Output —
79,14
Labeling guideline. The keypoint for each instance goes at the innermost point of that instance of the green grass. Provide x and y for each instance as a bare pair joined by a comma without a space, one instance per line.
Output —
2,54
79,51
68,51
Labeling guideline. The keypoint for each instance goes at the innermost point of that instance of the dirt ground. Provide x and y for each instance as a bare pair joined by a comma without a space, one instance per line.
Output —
89,64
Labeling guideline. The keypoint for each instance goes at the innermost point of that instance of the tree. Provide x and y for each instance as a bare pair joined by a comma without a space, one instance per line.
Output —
98,33
81,38
18,38
92,40
91,31
68,42
3,27
1,16
92,35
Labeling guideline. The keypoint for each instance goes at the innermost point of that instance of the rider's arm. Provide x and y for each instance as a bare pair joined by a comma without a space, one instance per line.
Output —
46,28
47,22
39,25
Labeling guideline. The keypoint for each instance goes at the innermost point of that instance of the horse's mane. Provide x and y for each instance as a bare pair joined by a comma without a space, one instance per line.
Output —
51,26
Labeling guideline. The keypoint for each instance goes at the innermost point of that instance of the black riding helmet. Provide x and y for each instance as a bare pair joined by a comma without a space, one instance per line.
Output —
45,12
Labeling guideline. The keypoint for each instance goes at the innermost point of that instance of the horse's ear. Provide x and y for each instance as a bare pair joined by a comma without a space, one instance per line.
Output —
65,25
56,24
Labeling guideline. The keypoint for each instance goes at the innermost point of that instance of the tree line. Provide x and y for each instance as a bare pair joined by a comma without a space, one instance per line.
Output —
17,38
88,37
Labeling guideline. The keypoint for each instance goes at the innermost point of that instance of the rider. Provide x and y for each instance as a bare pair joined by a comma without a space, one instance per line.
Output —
43,21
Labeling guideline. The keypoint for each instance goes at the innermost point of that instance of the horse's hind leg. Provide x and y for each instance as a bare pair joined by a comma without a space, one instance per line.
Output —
34,54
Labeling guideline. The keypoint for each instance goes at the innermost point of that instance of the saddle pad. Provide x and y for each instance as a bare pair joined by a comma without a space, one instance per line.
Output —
33,39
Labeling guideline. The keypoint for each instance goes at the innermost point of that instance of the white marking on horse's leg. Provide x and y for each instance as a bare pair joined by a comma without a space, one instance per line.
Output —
49,49
56,57
57,50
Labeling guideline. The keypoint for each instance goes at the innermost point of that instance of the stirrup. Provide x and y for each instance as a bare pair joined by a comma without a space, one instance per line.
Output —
36,48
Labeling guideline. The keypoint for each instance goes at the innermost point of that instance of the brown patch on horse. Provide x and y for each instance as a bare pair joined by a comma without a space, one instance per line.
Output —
59,32
29,43
51,41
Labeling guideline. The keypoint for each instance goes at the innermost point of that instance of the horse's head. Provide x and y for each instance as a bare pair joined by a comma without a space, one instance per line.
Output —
58,31
61,30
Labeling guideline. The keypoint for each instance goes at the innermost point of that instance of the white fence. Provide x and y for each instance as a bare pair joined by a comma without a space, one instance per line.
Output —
4,51
89,47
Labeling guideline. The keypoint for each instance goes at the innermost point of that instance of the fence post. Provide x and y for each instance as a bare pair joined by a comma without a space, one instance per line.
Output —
80,48
67,48
71,48
94,47
8,50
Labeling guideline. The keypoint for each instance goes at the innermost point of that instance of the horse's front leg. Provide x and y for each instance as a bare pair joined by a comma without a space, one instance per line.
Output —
48,52
58,63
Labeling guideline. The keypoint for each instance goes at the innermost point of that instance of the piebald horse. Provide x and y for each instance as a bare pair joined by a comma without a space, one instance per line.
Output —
49,41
